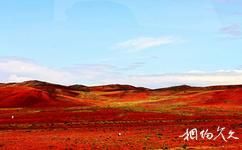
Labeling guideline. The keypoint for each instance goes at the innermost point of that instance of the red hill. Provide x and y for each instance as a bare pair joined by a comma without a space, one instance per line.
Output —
23,96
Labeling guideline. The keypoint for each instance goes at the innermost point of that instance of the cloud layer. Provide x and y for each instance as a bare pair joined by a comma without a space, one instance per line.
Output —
17,70
233,31
141,43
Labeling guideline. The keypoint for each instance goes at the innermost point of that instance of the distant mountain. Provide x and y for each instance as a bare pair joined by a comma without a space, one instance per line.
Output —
43,94
116,87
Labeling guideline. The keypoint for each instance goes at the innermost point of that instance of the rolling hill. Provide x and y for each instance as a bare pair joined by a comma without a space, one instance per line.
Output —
42,94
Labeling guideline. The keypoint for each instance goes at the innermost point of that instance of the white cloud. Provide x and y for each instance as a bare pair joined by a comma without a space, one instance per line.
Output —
17,70
194,79
141,43
232,31
17,78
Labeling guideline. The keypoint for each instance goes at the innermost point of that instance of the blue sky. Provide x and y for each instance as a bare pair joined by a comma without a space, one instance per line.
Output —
152,43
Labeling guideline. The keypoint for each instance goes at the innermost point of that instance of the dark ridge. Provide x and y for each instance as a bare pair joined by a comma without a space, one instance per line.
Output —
187,87
177,88
112,87
116,87
36,83
223,87
78,87
45,86
8,84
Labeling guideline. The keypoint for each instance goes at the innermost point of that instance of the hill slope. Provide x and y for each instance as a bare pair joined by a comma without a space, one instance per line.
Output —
43,94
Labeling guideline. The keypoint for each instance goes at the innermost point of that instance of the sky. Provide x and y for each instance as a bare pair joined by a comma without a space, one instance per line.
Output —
155,43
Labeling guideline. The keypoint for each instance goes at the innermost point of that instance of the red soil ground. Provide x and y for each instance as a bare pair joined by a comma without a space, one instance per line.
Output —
39,115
